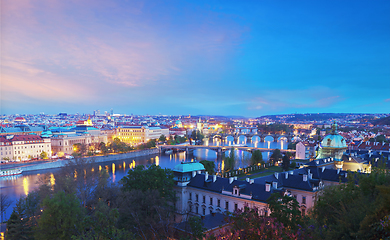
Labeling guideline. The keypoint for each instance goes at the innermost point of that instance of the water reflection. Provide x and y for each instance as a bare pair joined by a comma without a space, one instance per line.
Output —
21,185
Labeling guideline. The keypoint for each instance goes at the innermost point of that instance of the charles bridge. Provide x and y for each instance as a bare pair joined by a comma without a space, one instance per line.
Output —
249,136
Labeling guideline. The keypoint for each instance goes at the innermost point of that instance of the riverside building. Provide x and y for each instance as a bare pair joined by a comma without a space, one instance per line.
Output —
23,147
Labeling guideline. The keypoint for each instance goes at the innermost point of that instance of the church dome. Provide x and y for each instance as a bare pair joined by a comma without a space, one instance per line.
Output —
334,140
188,167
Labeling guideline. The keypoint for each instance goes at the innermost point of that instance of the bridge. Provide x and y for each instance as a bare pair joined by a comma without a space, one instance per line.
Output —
248,136
218,149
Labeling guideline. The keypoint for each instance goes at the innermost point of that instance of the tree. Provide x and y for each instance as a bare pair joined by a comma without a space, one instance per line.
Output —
257,158
209,166
276,156
285,209
285,163
196,226
247,223
147,201
230,161
355,211
5,202
162,138
60,218
19,225
43,155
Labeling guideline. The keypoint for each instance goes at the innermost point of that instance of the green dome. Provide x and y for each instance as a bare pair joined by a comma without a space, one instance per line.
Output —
333,141
188,167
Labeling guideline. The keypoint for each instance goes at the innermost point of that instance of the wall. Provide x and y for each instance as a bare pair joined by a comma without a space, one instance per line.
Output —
61,163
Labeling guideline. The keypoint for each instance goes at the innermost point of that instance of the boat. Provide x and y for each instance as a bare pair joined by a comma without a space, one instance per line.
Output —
10,172
170,151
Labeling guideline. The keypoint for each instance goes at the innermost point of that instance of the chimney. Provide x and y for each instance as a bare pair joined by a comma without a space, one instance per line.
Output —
199,172
247,179
231,180
304,177
317,162
310,175
276,175
267,187
214,178
235,178
286,175
345,175
251,181
275,184
193,173
291,172
338,171
323,169
206,176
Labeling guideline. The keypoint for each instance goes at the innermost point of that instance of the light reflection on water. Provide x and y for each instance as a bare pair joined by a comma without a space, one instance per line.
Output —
21,185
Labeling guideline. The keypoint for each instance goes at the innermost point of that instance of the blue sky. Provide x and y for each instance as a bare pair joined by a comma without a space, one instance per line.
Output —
247,58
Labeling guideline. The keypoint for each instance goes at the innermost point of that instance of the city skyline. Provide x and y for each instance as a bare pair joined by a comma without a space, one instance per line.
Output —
195,57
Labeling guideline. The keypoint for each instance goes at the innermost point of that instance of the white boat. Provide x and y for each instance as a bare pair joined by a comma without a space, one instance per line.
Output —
10,172
170,151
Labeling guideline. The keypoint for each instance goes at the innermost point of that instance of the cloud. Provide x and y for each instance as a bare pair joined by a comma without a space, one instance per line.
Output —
281,100
387,100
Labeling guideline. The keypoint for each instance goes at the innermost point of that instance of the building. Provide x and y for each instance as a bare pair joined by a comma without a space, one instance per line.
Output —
135,135
22,130
23,147
333,145
200,194
305,150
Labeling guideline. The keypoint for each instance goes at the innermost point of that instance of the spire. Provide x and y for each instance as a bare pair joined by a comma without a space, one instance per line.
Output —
334,127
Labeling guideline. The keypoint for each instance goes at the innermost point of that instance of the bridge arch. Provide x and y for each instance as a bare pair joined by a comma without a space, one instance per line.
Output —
255,138
269,138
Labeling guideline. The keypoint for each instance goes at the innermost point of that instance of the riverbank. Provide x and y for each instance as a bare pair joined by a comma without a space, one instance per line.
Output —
106,158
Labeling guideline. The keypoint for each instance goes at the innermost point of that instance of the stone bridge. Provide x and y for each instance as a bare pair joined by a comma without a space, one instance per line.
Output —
249,136
218,149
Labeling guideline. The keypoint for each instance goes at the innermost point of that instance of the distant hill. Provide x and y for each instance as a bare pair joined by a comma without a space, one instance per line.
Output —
382,121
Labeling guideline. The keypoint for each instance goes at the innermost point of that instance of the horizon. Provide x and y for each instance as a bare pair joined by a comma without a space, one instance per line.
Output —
246,59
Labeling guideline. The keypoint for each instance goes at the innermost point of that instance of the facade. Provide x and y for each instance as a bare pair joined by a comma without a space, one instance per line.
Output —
64,139
305,150
135,135
201,194
23,147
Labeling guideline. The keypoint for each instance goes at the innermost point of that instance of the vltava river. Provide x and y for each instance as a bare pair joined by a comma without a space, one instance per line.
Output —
21,185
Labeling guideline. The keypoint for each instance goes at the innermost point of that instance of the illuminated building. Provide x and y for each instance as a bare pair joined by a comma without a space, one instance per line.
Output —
135,135
23,147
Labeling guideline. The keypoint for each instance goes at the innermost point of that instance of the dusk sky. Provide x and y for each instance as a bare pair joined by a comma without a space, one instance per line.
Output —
246,58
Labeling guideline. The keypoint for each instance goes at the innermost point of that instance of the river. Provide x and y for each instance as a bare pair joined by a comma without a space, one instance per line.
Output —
16,186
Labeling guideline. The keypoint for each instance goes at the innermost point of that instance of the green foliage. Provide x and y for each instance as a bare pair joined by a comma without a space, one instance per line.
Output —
162,138
257,158
230,161
285,163
286,210
19,225
276,156
60,218
152,178
275,128
292,145
197,135
355,211
43,155
5,202
196,226
209,166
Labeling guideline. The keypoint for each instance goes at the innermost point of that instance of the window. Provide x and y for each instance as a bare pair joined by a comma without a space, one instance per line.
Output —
190,196
227,205
204,199
204,211
196,210
303,200
303,212
219,203
196,197
190,208
211,211
211,201
235,207
235,191
295,196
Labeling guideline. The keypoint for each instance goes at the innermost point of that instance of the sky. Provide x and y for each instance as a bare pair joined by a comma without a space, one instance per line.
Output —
231,58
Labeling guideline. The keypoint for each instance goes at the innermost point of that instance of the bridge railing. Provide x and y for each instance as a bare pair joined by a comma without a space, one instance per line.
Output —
246,170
